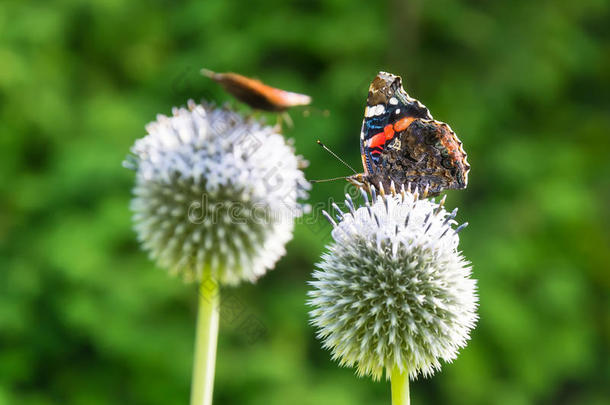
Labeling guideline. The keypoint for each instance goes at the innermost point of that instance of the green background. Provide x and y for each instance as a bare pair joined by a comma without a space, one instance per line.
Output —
86,318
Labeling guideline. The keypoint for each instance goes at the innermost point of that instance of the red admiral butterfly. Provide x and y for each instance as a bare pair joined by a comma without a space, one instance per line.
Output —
400,142
257,94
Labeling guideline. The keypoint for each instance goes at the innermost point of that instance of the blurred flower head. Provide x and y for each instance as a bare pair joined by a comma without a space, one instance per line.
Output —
393,290
216,194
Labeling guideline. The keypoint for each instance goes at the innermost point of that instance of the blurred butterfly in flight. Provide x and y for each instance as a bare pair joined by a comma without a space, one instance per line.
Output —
256,94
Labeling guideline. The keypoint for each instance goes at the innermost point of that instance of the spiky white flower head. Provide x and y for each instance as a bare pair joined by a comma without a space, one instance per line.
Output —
216,194
393,290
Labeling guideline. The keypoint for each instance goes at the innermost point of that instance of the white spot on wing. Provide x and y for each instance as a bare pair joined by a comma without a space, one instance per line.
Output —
393,101
374,110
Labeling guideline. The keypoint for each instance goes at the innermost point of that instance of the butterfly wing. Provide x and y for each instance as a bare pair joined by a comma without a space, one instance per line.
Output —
257,94
388,109
401,143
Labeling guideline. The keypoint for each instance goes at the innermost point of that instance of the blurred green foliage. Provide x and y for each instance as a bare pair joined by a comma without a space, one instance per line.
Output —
86,318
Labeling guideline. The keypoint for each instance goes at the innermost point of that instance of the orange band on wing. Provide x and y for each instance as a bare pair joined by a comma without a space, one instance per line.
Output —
388,130
379,139
403,124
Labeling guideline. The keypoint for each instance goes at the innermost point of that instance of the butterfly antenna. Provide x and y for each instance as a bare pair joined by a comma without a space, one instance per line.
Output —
335,155
325,180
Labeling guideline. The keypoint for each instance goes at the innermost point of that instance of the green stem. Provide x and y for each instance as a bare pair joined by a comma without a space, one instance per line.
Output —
400,387
202,385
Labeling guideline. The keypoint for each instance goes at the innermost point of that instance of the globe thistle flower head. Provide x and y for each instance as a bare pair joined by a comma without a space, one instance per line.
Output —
216,194
393,290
